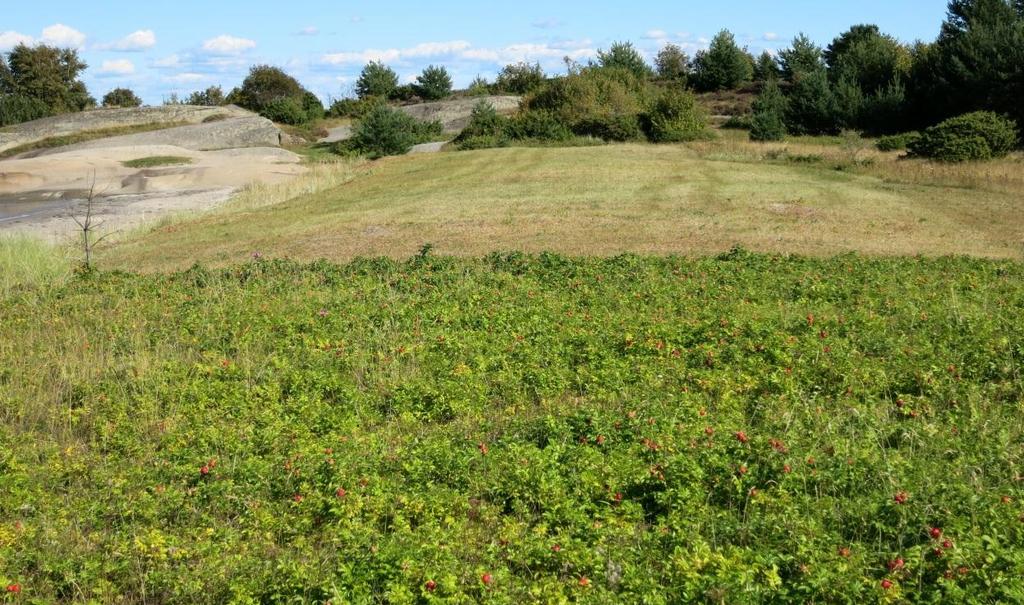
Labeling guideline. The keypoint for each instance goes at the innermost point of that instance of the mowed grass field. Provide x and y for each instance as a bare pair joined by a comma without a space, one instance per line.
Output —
516,429
817,197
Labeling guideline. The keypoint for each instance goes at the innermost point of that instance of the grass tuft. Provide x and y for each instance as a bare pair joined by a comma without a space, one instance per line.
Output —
157,160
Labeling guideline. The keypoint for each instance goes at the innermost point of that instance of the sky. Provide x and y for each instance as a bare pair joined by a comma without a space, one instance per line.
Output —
162,47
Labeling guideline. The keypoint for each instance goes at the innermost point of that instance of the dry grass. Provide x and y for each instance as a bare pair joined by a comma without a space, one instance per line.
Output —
694,199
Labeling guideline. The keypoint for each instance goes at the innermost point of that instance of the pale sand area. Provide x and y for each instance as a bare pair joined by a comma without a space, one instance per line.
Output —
40,195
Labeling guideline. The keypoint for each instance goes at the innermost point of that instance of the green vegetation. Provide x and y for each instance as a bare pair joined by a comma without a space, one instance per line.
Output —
675,117
387,131
275,95
433,84
87,135
518,429
29,265
157,160
211,97
980,135
520,78
724,65
377,80
37,81
897,142
672,64
768,122
622,55
121,97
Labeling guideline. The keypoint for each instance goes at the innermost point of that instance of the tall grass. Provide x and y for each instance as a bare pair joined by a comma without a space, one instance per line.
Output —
28,262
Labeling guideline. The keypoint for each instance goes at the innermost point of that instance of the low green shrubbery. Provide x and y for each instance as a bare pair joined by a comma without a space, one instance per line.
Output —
740,122
15,109
354,108
897,142
516,429
277,96
676,117
385,131
121,97
981,135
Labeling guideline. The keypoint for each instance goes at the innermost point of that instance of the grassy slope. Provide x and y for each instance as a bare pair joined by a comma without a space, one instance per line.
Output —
640,198
592,384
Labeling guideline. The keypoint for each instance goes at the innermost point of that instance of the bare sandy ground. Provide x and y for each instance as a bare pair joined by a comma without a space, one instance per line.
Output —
39,195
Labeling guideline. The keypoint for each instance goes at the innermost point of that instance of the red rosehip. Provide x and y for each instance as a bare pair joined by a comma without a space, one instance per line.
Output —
297,498
709,431
901,497
787,469
340,493
431,586
886,584
947,544
743,469
14,588
936,533
556,548
483,448
897,564
742,437
844,552
205,470
584,581
618,497
487,579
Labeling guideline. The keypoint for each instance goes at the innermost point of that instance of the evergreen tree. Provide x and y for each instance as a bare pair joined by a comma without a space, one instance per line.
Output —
622,55
803,56
672,63
766,68
868,58
723,66
769,114
811,105
434,83
376,80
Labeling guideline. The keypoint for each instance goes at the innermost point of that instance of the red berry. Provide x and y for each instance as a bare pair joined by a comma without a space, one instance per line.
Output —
14,588
556,548
901,497
340,493
584,581
947,545
844,552
743,469
886,584
431,585
483,449
709,431
936,533
787,469
297,498
896,564
204,471
618,497
487,579
742,437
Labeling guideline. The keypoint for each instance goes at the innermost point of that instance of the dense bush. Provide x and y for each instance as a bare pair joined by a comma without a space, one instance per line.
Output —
376,80
385,131
478,87
285,111
277,96
897,142
121,97
802,57
768,123
810,105
724,65
354,108
520,78
312,107
676,116
623,55
434,83
211,97
41,75
672,64
766,67
538,125
601,102
980,135
15,109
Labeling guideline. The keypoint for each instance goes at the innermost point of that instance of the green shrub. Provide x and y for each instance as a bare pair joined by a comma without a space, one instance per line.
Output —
485,121
478,87
622,55
980,135
121,97
388,131
768,123
15,109
520,78
376,80
434,83
312,107
537,125
354,108
810,107
265,85
672,64
724,65
676,117
285,111
211,97
897,142
743,122
601,102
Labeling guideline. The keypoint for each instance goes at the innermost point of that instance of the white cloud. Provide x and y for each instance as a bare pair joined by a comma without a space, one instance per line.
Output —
168,62
119,67
9,40
136,41
770,36
528,52
62,35
228,45
186,77
308,31
656,34
428,49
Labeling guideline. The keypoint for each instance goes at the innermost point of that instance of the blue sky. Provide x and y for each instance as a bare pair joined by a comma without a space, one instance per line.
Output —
159,47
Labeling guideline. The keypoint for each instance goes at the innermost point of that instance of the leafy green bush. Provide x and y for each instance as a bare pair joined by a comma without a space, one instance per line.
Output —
47,75
623,55
768,123
484,121
810,105
724,65
312,107
478,87
284,111
121,97
520,78
672,64
980,135
376,80
15,109
434,83
538,125
600,102
388,131
211,97
741,122
676,117
897,142
354,108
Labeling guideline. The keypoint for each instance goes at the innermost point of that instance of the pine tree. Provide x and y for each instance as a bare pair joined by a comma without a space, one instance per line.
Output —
769,114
